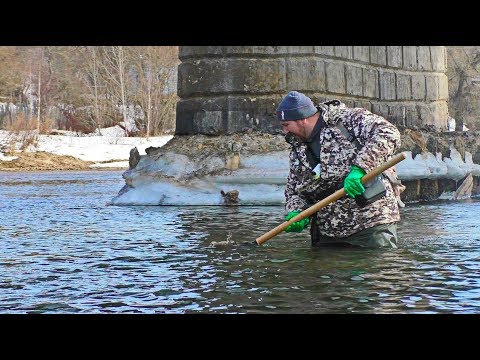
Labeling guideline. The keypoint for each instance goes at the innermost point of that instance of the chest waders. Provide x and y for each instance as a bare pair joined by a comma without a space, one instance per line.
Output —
380,236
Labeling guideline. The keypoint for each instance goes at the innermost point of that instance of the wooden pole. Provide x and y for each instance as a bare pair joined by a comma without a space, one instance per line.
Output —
329,199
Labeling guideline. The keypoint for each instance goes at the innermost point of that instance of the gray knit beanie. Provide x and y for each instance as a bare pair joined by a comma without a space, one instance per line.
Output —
295,106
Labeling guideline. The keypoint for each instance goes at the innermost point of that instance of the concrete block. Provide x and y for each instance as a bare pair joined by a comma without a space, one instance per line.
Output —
380,109
255,76
201,116
361,53
426,115
335,77
419,91
394,56
434,113
255,50
442,87
324,50
378,55
304,50
363,104
354,80
424,60
432,82
404,87
438,58
370,83
345,52
410,57
412,116
185,52
252,112
397,114
387,85
199,77
305,74
208,122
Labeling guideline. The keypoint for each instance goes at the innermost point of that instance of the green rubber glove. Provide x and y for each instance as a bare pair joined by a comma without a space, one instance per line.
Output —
297,226
352,183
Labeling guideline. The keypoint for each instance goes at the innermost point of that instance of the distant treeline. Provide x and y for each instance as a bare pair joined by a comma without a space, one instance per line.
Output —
463,72
82,88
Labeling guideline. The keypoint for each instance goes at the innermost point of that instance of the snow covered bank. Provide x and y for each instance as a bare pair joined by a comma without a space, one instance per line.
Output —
433,167
104,151
260,180
196,170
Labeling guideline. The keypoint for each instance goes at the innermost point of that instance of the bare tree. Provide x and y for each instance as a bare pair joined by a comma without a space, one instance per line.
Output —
95,79
115,67
92,79
91,86
463,73
39,87
12,79
12,72
144,67
154,67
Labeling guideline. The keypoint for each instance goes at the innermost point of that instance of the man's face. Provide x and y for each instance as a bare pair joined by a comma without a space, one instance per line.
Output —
296,127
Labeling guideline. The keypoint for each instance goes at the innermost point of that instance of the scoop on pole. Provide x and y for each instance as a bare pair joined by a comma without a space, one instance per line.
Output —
329,199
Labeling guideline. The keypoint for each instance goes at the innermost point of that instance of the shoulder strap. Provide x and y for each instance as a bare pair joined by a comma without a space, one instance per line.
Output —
354,140
392,178
347,135
338,123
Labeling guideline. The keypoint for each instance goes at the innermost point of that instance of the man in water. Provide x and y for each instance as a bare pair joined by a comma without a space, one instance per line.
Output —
333,146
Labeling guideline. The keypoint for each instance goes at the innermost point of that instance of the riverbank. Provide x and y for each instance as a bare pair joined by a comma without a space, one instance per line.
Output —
202,170
43,161
437,164
28,151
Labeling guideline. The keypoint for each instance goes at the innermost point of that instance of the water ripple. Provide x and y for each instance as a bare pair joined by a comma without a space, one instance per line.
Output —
62,250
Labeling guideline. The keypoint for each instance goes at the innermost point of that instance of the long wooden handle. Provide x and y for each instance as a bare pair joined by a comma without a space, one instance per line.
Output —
329,199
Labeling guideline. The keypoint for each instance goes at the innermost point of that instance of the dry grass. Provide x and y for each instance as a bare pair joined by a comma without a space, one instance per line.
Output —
42,161
21,123
46,126
23,130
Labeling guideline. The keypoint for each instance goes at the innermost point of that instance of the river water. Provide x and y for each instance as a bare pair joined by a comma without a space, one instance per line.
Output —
64,251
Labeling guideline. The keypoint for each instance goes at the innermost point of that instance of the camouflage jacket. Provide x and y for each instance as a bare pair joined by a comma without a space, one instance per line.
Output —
379,139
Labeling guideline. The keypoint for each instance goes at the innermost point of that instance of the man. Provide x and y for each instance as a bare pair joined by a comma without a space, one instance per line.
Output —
333,147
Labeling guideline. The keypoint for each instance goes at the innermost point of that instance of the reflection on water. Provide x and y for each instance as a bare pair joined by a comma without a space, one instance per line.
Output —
62,250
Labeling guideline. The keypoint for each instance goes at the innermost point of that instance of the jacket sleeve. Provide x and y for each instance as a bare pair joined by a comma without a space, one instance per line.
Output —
379,138
294,200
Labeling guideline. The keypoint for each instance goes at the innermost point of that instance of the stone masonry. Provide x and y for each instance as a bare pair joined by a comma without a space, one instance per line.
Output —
228,89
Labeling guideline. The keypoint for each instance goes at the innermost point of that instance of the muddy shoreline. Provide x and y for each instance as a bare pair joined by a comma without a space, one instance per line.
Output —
43,161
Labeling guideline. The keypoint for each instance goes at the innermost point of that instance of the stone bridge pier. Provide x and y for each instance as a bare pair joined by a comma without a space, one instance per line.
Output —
229,89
